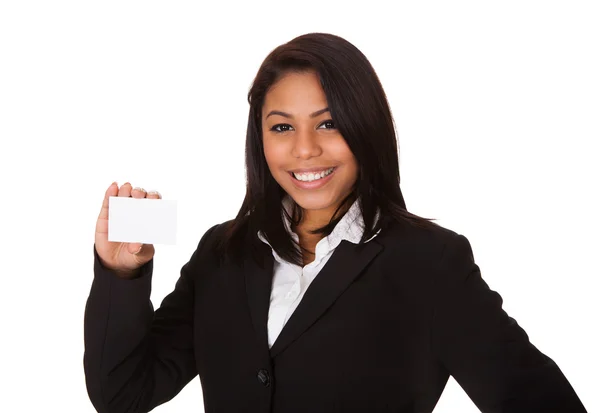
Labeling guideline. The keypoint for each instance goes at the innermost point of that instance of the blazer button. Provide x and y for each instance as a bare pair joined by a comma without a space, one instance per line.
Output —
263,377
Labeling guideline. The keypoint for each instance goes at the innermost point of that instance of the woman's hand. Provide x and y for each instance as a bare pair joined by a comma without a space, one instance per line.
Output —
124,258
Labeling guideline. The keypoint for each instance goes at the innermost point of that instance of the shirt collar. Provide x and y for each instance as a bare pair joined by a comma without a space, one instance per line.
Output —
350,228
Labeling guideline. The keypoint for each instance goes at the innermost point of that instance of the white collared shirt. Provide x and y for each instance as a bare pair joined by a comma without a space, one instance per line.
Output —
290,281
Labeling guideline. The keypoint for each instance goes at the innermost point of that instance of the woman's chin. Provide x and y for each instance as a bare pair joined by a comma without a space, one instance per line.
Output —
314,202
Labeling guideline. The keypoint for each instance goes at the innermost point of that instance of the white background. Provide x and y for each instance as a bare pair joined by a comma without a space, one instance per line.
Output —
497,110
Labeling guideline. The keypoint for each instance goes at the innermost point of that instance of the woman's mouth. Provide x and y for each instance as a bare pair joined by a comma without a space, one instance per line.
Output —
312,180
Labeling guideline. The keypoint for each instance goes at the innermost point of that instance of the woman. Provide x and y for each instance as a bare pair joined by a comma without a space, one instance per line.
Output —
324,293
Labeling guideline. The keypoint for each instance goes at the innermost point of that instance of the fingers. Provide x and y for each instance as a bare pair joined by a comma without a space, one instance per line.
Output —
125,189
112,190
154,195
138,192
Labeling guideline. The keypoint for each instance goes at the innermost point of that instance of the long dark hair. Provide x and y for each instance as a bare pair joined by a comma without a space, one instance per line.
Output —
359,109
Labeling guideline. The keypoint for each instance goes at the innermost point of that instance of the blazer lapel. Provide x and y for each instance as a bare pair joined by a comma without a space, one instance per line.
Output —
345,264
258,290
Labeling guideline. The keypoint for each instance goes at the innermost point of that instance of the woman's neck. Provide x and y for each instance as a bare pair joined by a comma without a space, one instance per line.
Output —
311,220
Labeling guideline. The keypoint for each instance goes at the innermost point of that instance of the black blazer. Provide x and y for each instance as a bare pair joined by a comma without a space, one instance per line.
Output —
380,329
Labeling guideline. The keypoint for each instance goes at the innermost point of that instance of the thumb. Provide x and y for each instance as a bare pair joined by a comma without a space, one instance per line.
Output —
142,253
135,248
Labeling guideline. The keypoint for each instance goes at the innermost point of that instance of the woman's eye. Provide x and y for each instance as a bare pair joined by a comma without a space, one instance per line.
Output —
329,124
285,127
281,127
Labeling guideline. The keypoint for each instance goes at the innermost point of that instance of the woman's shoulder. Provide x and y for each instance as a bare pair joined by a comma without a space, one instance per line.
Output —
421,241
224,239
216,234
424,241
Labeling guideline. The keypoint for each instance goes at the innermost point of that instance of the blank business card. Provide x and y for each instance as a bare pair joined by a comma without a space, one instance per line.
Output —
148,221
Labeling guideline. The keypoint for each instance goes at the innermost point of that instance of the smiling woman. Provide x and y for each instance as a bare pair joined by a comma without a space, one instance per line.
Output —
317,106
306,153
324,294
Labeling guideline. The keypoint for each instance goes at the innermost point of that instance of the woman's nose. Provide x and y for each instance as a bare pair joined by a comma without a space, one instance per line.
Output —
306,144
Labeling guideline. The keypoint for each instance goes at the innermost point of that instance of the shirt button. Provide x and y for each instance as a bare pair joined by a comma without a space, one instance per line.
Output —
263,377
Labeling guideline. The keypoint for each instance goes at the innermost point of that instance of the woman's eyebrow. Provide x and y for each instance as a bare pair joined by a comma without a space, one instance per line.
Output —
287,115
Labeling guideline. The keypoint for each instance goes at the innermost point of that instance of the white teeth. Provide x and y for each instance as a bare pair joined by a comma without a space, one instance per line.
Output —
308,177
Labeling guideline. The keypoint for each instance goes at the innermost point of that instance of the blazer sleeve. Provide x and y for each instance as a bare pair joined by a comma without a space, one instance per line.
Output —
136,358
485,349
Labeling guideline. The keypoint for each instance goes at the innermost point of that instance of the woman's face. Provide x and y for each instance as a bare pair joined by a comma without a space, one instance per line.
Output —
299,136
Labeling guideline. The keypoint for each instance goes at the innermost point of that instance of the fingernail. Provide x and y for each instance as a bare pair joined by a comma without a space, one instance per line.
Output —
154,193
137,188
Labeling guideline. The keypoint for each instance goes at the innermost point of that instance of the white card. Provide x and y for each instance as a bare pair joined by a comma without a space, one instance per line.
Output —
148,221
